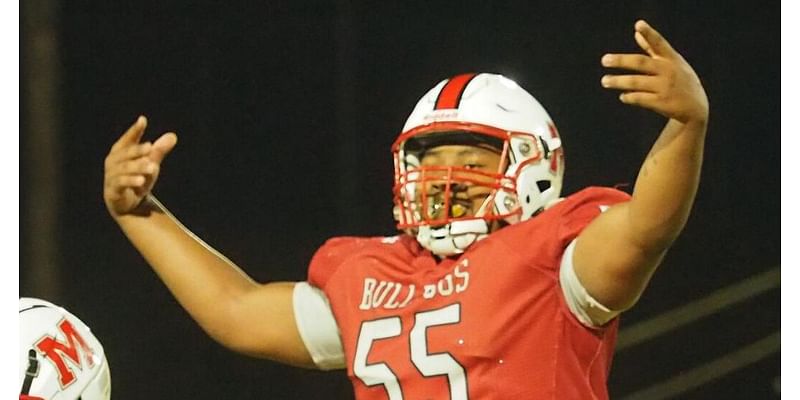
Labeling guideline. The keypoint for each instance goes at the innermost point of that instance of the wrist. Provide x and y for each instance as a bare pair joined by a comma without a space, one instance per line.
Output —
148,205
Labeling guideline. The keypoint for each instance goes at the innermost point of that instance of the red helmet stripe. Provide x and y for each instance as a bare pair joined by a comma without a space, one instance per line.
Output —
450,96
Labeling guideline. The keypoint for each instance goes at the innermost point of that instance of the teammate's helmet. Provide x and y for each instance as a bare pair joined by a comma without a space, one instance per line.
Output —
59,357
483,110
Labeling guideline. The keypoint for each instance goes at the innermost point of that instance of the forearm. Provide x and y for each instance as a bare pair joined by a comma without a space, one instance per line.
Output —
618,252
666,186
204,282
237,312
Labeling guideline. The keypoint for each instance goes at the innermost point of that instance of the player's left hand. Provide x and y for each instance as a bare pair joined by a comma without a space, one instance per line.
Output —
662,80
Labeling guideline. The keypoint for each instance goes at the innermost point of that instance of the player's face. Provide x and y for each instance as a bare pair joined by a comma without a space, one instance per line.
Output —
466,197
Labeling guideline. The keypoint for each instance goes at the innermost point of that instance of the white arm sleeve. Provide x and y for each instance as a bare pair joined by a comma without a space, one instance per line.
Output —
583,306
317,326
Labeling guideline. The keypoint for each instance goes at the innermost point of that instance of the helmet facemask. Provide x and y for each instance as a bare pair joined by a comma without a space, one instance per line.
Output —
450,207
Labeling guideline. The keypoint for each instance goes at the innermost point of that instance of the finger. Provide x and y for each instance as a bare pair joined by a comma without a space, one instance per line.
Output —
150,179
634,62
162,146
140,166
128,153
642,42
141,190
122,182
133,134
641,99
630,83
651,41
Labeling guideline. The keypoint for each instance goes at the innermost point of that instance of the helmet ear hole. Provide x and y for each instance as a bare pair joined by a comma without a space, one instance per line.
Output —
543,185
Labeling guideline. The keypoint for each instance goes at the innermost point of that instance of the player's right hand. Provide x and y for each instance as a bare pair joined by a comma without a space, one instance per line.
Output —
131,168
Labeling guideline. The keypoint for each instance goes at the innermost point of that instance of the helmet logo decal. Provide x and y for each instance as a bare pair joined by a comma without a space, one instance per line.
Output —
450,96
55,351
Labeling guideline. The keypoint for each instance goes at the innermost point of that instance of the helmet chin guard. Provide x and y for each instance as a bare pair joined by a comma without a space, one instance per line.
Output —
480,110
453,238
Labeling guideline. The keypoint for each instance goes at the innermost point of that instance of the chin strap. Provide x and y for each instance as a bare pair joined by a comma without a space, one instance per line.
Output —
30,373
453,238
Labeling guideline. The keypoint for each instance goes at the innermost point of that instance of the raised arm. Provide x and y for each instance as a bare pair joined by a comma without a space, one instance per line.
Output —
239,313
616,255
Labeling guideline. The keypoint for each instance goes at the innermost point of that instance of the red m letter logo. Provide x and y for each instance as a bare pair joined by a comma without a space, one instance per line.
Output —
56,351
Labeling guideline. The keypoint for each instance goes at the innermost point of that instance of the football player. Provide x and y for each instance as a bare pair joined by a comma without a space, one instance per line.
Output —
495,287
59,357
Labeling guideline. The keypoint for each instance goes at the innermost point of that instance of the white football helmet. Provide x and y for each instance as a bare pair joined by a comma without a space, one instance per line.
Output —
481,110
59,357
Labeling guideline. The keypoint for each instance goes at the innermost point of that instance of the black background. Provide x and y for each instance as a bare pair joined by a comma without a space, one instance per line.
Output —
285,112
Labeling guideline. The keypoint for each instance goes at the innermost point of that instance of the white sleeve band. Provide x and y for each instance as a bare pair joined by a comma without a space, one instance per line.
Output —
583,306
317,326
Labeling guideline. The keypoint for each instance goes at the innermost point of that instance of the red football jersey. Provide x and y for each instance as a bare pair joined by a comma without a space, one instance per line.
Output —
489,324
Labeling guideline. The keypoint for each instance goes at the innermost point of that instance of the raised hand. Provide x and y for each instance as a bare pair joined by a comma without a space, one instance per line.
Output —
132,168
662,80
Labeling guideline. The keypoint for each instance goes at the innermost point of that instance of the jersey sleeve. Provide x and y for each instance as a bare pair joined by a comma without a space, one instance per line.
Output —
317,326
581,208
313,313
582,305
330,256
